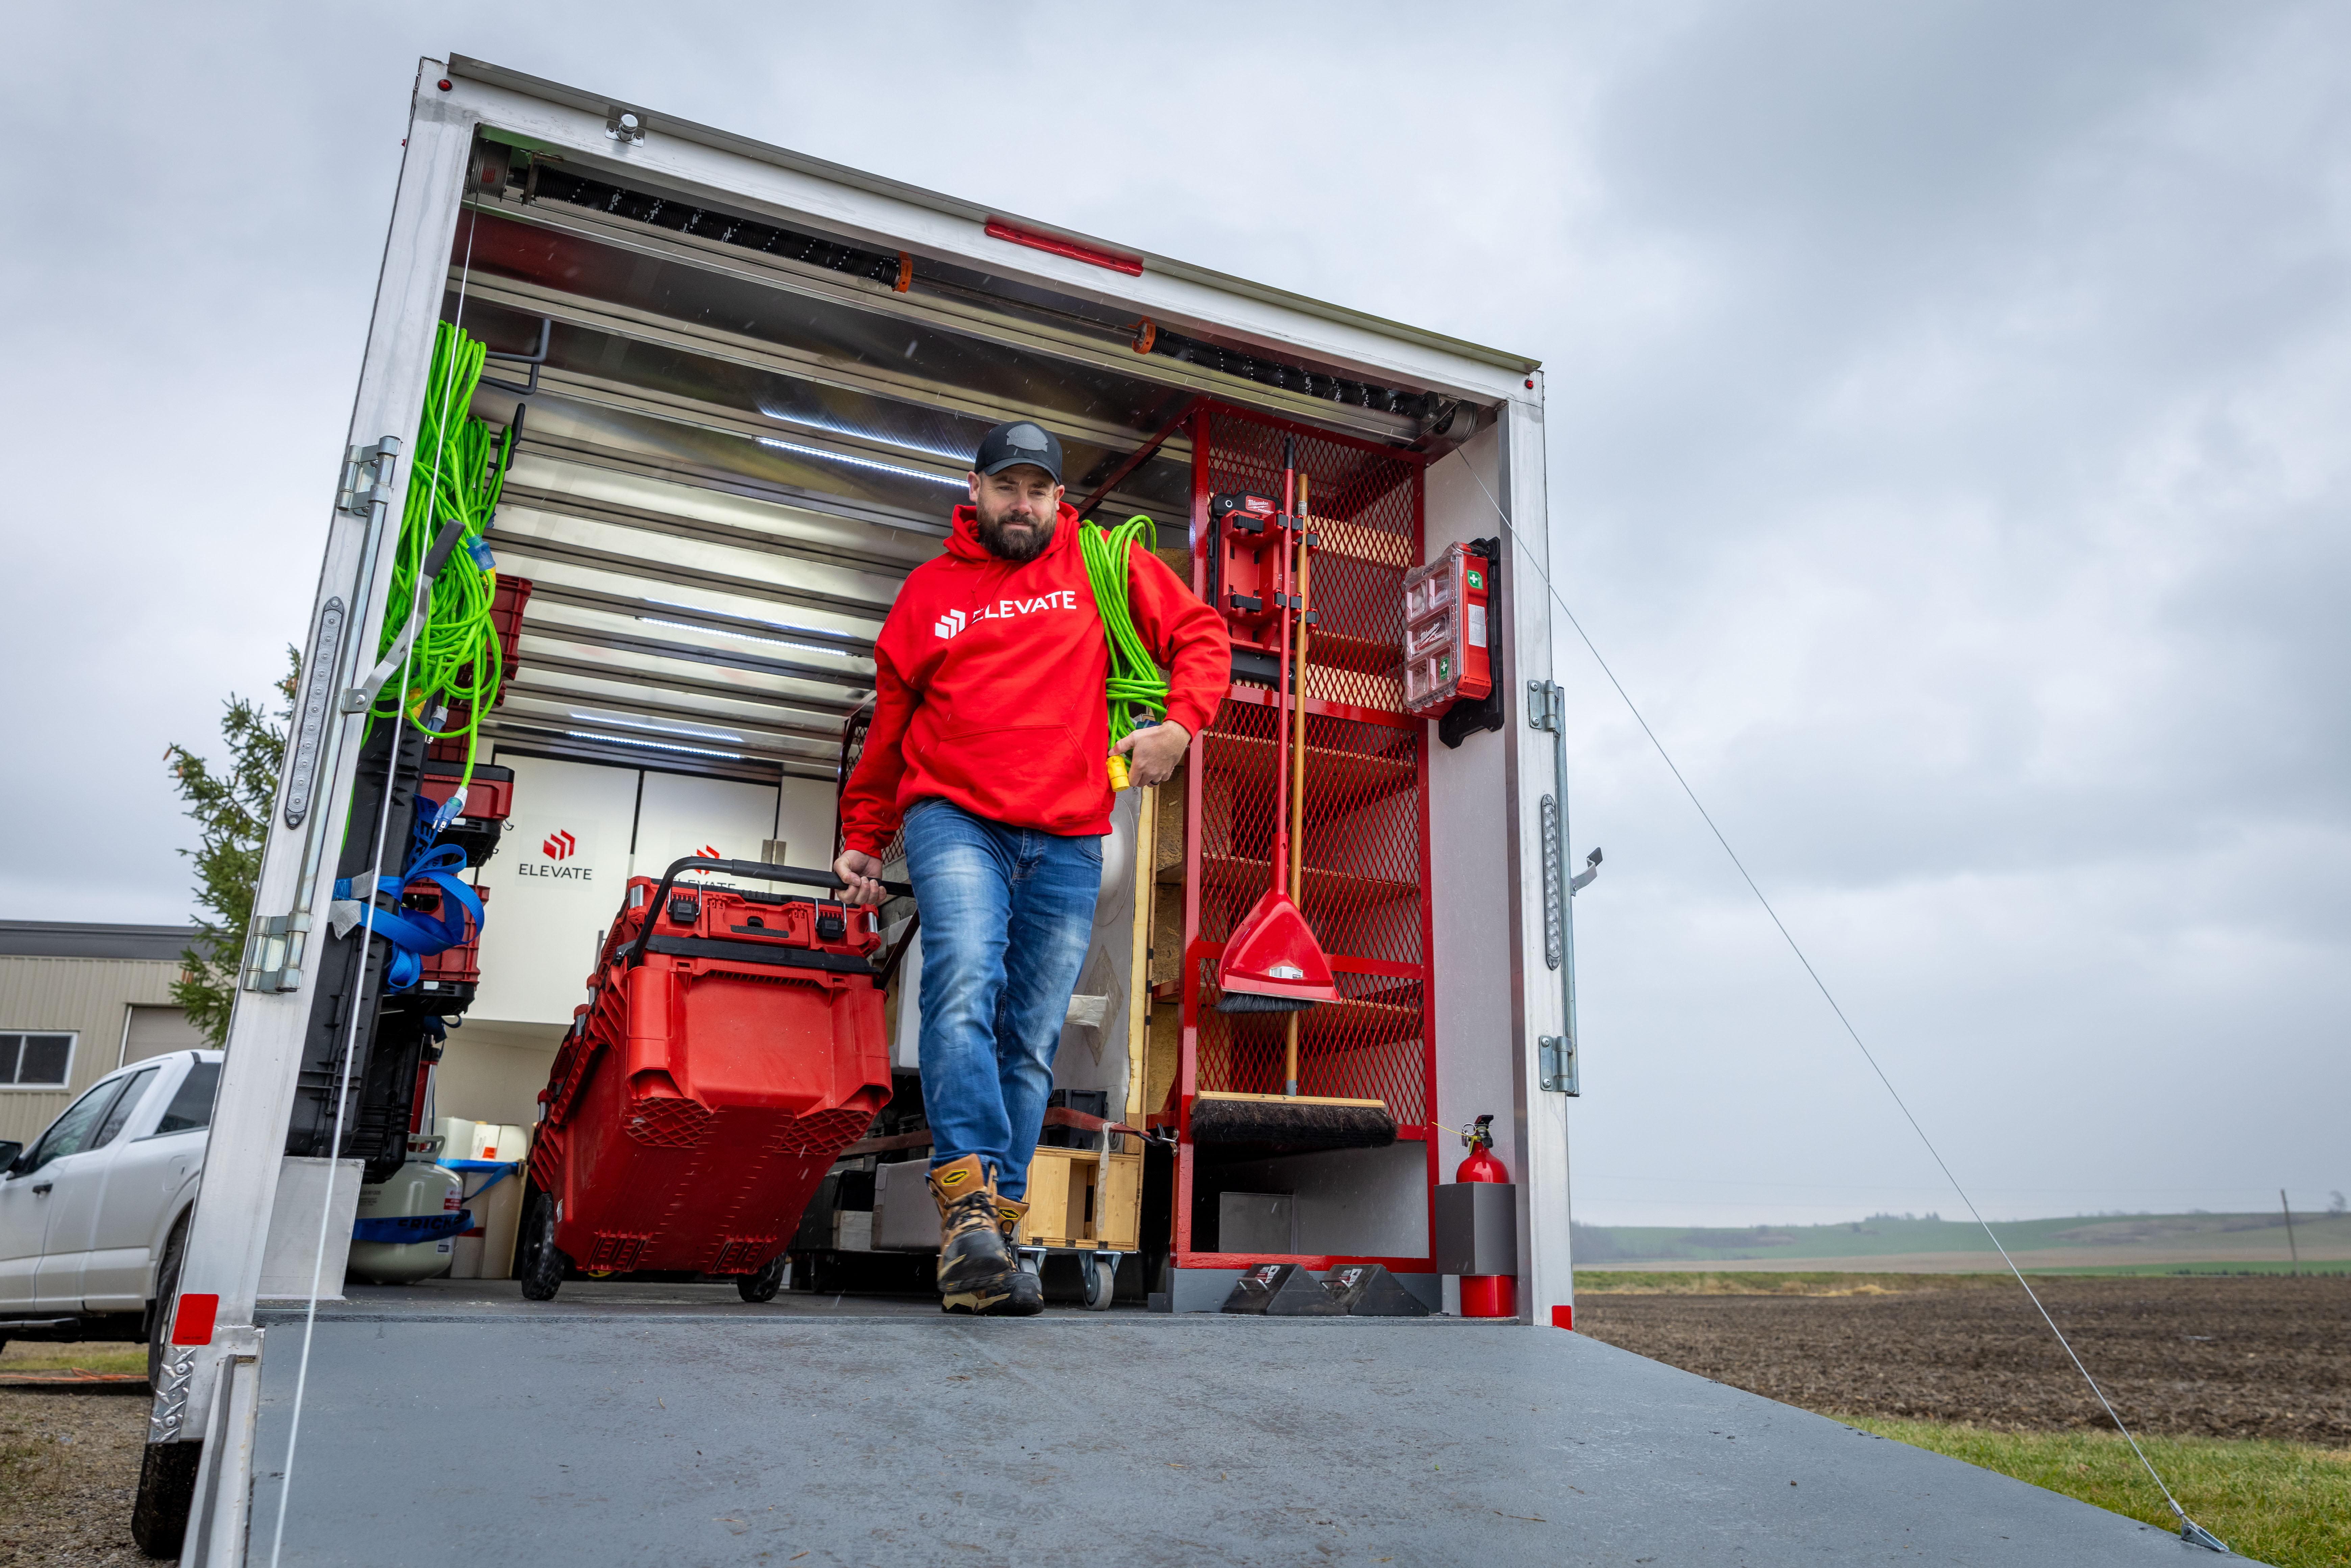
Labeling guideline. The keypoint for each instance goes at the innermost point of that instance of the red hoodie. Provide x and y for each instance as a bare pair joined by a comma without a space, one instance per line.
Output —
987,686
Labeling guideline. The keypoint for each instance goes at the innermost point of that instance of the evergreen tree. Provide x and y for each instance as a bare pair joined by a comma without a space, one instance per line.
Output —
232,811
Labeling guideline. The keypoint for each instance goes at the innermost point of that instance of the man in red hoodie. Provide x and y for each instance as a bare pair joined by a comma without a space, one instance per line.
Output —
989,746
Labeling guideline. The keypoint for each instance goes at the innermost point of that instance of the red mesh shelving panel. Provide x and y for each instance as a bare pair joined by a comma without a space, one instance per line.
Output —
1368,502
1363,849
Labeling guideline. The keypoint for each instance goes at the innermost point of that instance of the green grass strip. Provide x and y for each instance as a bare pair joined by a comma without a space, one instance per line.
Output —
2284,1503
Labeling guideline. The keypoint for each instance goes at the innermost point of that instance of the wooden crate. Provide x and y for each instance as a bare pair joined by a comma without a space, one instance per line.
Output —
1072,1203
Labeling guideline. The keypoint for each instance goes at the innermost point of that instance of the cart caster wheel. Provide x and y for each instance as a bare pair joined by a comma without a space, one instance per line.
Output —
1102,1279
542,1267
763,1285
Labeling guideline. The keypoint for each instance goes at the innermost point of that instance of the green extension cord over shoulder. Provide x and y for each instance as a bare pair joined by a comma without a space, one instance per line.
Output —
458,473
1136,691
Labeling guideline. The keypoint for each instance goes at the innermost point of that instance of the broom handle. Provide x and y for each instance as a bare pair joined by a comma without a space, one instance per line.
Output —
1298,773
1297,677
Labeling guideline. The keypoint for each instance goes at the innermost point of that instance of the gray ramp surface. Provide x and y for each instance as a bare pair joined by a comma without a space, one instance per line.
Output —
683,1427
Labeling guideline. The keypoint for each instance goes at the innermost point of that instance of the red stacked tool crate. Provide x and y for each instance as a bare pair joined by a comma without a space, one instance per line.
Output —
703,1091
449,977
1365,849
505,619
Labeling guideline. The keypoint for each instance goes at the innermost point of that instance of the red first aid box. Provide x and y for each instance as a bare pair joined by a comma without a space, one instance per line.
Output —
721,1065
1445,647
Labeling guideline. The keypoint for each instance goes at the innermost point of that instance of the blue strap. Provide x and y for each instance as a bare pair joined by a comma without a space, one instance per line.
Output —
403,1230
414,936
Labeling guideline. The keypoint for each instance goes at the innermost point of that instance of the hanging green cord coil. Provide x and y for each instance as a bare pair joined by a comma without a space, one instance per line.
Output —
1136,691
458,473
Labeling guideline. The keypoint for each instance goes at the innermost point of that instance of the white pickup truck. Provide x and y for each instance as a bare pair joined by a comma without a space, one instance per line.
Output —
94,1216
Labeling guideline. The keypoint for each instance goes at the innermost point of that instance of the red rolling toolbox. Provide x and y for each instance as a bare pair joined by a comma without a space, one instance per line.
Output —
731,1047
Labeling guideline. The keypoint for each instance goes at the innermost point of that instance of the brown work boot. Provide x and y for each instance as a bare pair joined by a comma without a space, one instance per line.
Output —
1027,1295
976,1269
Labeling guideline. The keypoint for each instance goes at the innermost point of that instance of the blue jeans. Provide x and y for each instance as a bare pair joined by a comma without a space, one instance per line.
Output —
1006,916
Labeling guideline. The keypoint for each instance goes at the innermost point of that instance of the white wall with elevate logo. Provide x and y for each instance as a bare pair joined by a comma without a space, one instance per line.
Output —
554,886
679,815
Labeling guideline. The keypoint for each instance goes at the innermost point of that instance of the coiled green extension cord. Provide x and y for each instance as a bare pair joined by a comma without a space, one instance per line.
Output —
1136,691
458,473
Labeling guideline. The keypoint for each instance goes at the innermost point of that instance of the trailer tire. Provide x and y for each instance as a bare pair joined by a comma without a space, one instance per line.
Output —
763,1285
541,1265
159,1310
167,1490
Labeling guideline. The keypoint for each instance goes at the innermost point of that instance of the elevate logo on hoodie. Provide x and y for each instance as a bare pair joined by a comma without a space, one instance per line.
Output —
987,686
954,620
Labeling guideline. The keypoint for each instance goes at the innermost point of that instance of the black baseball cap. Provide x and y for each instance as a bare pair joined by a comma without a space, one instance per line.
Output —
1020,441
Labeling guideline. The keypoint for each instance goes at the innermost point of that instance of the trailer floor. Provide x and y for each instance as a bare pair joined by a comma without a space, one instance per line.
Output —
633,1424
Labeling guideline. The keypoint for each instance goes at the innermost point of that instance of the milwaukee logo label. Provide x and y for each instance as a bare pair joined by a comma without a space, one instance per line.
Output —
561,845
955,621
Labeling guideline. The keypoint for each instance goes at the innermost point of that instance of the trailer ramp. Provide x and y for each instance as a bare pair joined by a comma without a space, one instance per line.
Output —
673,1424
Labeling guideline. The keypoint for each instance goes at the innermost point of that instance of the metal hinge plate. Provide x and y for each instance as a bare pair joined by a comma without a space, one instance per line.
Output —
1555,1059
366,477
273,953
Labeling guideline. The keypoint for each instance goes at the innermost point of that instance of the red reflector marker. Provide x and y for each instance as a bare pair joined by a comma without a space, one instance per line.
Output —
1564,1318
193,1324
999,229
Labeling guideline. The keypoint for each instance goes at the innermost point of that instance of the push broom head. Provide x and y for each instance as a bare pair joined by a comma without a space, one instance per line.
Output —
1273,965
1290,1121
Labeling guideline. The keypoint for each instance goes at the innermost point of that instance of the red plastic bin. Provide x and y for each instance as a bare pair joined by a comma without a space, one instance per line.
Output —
721,1065
489,794
506,605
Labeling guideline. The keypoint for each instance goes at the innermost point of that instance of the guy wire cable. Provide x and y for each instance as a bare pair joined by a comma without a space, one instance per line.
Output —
366,935
2189,1531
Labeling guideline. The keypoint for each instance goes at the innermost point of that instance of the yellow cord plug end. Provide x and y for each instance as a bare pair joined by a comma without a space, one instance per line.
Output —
1117,773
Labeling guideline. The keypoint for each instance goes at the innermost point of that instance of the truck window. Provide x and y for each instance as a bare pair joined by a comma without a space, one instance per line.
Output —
125,1107
70,1133
191,1107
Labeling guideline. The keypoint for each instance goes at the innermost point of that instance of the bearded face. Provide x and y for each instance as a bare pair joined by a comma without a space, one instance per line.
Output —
1016,510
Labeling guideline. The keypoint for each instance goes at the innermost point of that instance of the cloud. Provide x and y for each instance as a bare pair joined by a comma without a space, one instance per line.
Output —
1945,413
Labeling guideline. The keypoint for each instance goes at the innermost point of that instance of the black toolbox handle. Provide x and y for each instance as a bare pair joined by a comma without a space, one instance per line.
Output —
753,869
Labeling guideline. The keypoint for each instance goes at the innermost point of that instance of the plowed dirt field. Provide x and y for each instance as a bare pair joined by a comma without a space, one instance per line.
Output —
2259,1357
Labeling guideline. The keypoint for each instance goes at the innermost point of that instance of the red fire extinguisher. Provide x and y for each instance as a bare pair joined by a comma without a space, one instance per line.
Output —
1485,1296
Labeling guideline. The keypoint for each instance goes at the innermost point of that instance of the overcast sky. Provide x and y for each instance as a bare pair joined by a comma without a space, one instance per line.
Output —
1947,417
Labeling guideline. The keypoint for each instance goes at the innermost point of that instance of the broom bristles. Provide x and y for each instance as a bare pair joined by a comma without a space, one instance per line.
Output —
1295,1123
1257,1002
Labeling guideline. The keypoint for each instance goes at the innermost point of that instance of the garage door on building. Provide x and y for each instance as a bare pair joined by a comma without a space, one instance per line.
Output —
158,1032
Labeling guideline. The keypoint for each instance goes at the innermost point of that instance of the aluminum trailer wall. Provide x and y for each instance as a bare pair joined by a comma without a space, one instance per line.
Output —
1042,295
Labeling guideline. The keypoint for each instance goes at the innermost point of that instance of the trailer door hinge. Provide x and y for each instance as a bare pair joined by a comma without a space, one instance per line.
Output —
273,953
1556,1058
626,125
366,477
1546,707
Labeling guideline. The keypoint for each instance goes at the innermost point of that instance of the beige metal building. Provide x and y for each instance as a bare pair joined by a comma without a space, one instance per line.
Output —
76,1002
